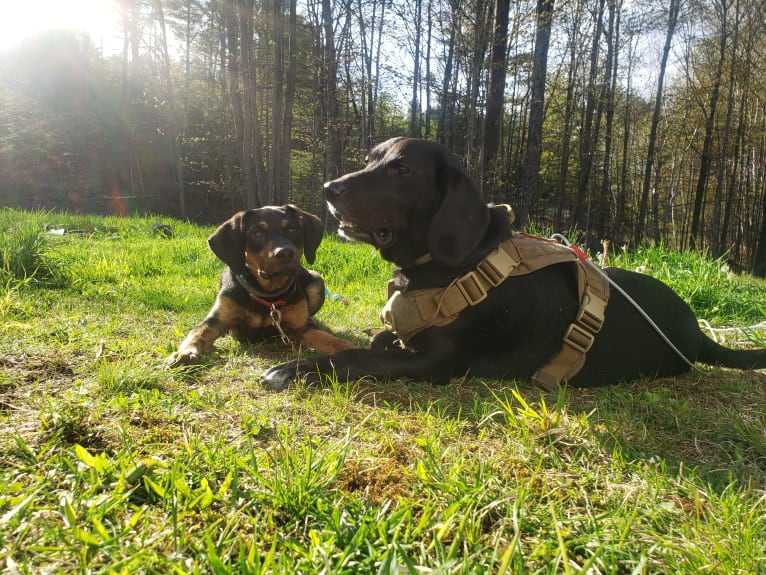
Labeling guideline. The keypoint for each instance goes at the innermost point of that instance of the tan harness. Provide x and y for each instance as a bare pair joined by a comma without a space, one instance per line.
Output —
410,312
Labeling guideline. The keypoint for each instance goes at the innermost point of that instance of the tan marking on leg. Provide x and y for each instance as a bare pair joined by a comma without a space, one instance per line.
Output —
323,342
201,338
302,331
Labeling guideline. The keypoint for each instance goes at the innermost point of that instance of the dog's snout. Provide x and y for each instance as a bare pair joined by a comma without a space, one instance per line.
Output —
334,189
284,254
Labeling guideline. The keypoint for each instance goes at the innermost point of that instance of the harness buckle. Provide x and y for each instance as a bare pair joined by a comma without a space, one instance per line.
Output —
579,338
497,266
591,312
471,289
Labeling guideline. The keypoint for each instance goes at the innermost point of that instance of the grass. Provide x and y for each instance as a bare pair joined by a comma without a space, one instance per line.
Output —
111,464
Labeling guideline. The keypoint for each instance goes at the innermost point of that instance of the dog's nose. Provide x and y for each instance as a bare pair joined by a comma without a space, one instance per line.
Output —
284,254
334,189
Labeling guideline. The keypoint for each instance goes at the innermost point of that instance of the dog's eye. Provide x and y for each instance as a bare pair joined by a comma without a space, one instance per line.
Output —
401,169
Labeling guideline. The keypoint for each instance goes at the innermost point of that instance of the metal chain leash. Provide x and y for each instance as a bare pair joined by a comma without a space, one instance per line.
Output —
276,318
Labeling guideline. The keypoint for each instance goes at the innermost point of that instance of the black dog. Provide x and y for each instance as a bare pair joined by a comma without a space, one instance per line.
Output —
414,202
265,291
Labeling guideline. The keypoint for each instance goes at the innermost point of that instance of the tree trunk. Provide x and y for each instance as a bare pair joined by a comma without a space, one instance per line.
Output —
476,59
569,105
610,85
673,11
587,137
716,243
733,186
373,103
174,134
235,95
707,145
287,123
493,117
130,94
429,31
620,233
246,102
759,264
445,104
275,168
333,167
531,171
366,69
415,102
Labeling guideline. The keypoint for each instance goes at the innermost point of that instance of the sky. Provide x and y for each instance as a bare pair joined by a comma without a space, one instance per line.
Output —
22,19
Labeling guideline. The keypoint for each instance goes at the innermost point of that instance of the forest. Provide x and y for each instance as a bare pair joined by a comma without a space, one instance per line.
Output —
640,122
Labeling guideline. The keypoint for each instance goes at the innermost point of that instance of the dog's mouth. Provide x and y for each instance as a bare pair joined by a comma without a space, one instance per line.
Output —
383,237
380,237
264,274
270,269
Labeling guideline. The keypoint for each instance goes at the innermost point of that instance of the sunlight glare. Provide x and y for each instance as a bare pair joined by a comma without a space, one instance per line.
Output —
27,18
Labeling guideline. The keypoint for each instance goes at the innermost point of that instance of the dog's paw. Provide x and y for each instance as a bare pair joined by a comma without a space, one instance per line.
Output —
284,375
384,340
186,356
280,377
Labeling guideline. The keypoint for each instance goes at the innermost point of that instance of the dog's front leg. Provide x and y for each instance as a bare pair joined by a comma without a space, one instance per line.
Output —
199,341
321,341
355,364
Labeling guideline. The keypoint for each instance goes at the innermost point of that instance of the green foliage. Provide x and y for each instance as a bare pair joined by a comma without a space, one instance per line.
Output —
23,246
111,463
709,286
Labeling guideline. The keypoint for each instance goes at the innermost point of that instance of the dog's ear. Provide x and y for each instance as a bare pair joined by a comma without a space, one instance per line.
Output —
460,222
228,242
312,232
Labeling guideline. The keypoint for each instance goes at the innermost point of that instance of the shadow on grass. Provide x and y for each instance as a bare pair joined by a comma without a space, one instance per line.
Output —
714,424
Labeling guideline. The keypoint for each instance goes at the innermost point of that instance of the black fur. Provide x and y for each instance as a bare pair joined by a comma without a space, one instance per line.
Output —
413,198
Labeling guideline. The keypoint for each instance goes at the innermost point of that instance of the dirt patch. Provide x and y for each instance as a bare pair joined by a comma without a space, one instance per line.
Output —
22,369
25,378
27,382
377,480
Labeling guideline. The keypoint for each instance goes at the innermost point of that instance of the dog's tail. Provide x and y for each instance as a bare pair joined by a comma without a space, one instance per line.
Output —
713,353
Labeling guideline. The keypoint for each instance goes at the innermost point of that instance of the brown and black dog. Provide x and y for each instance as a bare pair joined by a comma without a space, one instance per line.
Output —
265,291
415,203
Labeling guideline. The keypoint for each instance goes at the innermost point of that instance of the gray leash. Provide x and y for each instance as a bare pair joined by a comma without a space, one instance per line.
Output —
561,238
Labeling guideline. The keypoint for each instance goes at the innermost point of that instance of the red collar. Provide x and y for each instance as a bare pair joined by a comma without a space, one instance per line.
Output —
267,303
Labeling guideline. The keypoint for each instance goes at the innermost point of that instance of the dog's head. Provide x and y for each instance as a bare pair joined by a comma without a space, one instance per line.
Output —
412,198
268,241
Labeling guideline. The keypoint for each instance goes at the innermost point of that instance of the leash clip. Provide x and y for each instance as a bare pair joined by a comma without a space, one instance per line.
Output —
276,318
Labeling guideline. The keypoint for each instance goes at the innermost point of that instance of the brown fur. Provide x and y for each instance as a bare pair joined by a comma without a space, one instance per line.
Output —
262,249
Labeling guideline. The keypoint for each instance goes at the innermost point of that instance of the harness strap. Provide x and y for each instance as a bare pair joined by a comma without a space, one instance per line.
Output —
443,305
410,312
580,335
